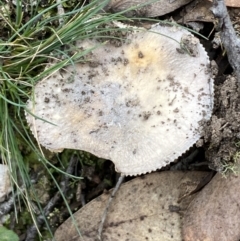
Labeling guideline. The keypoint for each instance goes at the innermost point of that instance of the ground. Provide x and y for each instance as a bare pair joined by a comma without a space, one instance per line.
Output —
219,147
223,132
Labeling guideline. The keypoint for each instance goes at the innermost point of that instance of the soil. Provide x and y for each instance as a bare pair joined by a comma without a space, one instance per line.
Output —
222,135
219,147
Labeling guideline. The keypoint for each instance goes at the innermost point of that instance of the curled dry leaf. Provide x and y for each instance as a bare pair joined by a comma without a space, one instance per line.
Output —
214,213
197,11
146,208
141,105
5,185
156,8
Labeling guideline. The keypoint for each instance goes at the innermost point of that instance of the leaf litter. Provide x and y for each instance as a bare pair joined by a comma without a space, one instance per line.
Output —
149,207
214,212
227,132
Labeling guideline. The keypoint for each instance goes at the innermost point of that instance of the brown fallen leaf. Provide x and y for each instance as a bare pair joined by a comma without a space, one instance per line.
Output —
146,208
214,213
231,3
199,11
157,8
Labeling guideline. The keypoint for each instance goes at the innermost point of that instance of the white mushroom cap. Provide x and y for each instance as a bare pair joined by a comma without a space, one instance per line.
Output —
141,105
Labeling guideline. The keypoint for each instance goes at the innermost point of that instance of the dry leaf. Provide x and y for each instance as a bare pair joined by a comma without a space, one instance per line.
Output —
158,8
199,11
214,213
146,208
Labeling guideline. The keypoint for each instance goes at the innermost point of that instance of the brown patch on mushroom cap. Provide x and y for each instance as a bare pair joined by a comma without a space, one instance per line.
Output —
141,115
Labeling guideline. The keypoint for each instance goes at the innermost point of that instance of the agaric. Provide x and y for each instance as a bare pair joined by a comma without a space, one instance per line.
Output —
141,105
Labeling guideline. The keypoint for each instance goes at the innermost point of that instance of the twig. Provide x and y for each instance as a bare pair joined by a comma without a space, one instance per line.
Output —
6,207
100,229
228,36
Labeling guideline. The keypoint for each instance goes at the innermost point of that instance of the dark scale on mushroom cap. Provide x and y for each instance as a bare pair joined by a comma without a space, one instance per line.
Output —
46,100
131,105
140,55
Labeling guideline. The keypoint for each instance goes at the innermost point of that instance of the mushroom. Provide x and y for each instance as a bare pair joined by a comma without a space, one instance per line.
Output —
141,105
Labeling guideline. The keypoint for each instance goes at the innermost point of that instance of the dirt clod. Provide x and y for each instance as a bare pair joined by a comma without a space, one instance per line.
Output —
223,132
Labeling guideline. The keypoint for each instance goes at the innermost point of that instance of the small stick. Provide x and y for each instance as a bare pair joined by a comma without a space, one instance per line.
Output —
6,207
228,36
100,229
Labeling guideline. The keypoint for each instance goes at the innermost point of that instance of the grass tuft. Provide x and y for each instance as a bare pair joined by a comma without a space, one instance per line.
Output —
31,35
